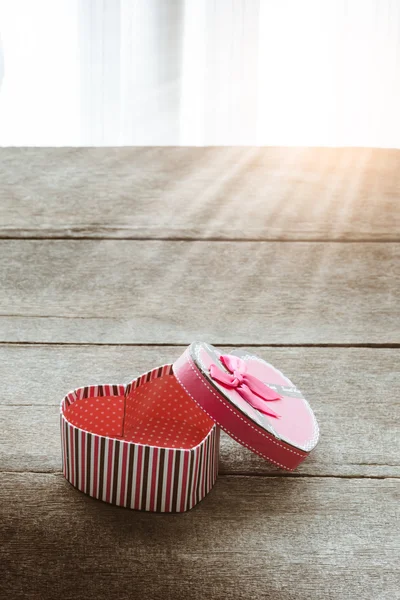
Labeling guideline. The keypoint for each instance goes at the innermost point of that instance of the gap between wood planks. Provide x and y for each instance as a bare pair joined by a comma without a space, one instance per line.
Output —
244,475
372,345
80,238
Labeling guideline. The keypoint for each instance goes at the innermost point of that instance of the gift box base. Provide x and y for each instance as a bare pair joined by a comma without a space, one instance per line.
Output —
145,446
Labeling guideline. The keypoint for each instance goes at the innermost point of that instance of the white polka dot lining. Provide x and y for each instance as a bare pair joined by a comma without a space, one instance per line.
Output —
157,413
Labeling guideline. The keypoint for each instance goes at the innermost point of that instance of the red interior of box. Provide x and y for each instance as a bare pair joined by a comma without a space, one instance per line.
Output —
157,413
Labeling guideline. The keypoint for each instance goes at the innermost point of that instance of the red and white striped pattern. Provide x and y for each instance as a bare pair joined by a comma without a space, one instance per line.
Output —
134,475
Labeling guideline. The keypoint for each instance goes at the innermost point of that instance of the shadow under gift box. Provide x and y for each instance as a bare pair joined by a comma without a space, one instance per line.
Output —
145,446
154,444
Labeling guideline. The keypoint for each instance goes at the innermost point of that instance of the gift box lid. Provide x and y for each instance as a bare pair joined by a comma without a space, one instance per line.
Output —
251,400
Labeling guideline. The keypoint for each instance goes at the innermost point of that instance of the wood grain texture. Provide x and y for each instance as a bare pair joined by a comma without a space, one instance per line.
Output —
259,538
354,393
223,193
327,531
109,291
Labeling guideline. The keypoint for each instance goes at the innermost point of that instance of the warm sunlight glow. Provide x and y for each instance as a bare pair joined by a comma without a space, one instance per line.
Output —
329,73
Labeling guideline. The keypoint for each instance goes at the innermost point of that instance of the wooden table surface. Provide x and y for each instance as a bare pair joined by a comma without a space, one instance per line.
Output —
112,260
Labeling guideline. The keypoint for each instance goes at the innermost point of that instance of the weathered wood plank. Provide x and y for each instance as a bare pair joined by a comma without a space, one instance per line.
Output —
109,291
224,193
353,391
253,538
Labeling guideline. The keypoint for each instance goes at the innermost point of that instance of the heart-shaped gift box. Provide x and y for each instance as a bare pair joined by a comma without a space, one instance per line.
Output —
154,444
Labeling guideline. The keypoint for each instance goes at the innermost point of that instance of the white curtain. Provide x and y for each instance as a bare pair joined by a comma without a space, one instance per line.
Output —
200,72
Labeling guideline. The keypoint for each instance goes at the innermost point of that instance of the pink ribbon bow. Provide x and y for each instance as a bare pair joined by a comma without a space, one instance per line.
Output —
252,389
